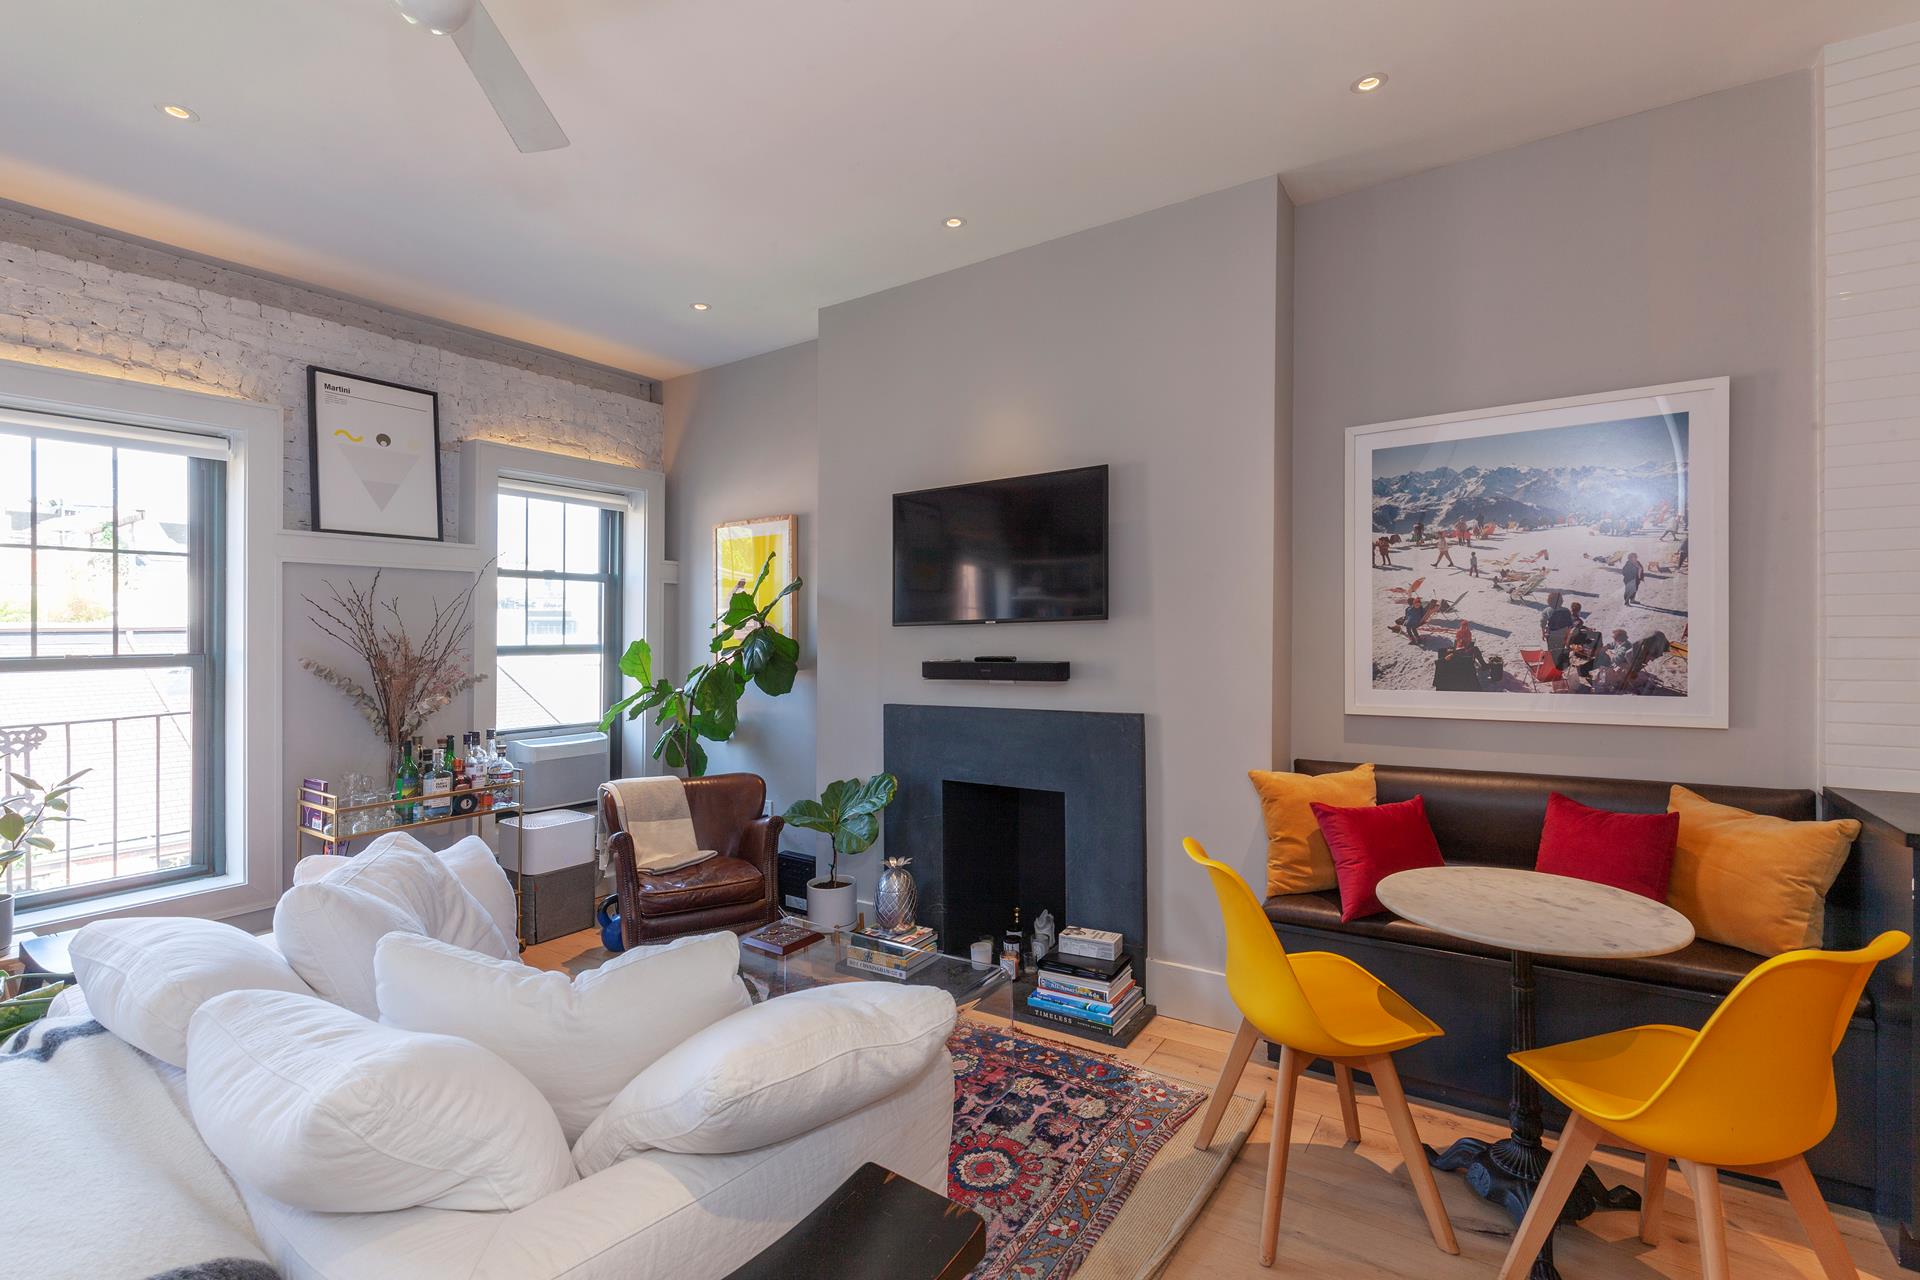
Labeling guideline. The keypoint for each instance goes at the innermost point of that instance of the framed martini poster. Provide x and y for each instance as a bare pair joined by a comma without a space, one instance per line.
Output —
374,454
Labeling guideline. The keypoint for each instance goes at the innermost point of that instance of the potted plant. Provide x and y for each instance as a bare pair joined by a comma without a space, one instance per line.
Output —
21,817
745,650
848,812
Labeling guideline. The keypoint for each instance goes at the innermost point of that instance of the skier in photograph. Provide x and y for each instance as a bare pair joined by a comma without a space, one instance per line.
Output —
1410,621
1556,622
1473,564
1383,551
1419,532
1632,573
1445,556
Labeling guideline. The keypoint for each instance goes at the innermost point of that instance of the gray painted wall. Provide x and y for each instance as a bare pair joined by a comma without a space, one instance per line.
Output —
1150,345
1669,245
743,440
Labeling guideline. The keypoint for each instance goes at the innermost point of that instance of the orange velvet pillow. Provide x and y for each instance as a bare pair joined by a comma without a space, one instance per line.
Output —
1298,860
1752,881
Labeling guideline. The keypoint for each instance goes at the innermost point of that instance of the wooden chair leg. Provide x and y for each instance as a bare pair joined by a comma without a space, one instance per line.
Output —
1230,1072
1803,1193
1653,1199
1386,1081
1704,1180
1577,1142
1286,1087
1349,1111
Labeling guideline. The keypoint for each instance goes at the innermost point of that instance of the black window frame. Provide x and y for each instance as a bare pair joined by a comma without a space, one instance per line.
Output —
611,530
204,658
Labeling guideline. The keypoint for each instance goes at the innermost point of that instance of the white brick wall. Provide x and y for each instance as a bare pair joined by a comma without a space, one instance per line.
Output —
1870,434
79,299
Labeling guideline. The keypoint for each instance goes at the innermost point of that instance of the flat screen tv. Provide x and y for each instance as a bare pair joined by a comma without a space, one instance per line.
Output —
1026,549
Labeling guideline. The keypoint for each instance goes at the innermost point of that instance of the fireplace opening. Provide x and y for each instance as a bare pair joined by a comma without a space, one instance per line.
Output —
1002,847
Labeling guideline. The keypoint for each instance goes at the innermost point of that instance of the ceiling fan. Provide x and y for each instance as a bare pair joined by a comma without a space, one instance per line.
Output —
502,78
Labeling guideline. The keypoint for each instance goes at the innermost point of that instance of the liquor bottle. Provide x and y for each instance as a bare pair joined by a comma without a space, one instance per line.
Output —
459,765
1010,948
434,789
406,785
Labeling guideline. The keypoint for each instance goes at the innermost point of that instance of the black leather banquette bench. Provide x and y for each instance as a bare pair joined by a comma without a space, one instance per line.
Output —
1495,819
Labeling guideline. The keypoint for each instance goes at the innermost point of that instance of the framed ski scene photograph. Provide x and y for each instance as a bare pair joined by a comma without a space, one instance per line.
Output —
1558,561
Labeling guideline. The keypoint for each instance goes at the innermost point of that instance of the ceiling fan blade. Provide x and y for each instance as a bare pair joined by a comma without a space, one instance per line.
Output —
505,82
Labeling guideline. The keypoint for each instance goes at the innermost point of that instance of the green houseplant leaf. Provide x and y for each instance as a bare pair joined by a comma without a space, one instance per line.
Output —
706,704
848,813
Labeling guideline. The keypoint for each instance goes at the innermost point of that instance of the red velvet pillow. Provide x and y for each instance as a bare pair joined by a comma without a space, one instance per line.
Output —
1371,843
1631,851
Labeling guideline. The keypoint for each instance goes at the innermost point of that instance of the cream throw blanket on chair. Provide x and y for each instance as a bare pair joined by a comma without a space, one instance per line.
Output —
654,814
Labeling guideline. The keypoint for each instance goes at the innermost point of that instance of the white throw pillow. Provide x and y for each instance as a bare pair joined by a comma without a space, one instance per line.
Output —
773,1072
144,977
327,928
580,1042
470,859
321,1109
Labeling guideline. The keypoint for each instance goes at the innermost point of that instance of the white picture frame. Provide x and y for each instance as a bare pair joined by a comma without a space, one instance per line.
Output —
373,449
1602,507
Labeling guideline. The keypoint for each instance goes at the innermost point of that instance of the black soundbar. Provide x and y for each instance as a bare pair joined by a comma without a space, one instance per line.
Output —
996,669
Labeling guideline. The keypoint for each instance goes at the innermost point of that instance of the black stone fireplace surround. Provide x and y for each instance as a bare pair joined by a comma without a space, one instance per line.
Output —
1044,808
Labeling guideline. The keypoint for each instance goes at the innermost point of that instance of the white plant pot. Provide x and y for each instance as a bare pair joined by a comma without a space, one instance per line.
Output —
833,906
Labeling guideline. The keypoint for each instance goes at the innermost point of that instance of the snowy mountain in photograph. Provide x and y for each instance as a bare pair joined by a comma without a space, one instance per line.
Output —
1533,497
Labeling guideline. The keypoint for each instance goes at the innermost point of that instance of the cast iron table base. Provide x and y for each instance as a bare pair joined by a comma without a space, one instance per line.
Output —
1507,1172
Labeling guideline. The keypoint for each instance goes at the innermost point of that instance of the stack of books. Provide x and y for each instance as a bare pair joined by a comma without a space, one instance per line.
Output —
892,955
1088,994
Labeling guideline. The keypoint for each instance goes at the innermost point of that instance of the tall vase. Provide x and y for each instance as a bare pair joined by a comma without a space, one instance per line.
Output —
896,897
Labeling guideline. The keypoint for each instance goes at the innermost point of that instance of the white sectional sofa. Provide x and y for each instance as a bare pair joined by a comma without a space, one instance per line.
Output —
655,1212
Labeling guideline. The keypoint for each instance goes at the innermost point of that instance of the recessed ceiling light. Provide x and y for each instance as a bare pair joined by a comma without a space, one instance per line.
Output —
700,306
955,223
1368,84
175,111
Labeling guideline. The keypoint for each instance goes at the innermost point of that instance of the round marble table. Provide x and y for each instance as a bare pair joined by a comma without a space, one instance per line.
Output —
1528,914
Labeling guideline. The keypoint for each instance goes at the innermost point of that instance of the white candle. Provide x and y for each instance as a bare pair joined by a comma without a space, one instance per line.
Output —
983,952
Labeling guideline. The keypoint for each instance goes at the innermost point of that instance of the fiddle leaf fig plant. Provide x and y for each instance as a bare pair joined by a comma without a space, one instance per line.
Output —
849,813
745,650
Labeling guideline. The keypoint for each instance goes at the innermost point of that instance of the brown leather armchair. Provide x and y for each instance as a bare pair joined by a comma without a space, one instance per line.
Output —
733,891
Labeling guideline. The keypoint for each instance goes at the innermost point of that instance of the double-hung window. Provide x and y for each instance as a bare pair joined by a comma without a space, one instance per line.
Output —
557,636
111,596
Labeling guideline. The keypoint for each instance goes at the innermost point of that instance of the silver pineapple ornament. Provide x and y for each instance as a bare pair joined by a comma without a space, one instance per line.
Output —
897,896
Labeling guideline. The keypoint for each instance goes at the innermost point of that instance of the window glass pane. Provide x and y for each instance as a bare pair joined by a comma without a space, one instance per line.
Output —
155,603
544,524
510,622
154,500
583,538
538,690
583,613
546,612
76,601
16,566
16,496
513,532
75,484
133,729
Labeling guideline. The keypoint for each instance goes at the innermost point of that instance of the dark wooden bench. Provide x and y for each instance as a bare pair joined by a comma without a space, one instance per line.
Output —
1495,819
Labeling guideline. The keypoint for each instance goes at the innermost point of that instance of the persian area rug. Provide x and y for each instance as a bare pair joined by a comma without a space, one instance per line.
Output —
1076,1160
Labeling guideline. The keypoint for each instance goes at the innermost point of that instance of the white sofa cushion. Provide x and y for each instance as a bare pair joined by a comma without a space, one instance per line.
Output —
321,1109
469,858
327,928
144,977
579,1042
774,1071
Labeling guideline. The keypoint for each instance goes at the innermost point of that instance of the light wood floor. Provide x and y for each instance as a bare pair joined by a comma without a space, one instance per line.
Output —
1350,1211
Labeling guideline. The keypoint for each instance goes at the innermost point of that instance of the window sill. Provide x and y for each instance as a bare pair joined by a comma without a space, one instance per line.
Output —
71,914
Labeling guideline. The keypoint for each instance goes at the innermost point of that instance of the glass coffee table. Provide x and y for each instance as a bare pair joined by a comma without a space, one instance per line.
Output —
824,963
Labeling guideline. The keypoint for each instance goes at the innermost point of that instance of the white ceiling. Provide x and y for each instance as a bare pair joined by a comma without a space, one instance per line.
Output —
775,156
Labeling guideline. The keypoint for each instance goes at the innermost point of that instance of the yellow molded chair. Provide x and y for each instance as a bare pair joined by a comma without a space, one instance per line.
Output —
1313,1005
1751,1091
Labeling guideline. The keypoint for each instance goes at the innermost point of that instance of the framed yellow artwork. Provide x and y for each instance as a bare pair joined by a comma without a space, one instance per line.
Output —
740,548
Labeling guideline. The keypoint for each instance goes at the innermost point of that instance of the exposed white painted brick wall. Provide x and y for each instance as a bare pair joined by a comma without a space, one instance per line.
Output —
73,297
1870,432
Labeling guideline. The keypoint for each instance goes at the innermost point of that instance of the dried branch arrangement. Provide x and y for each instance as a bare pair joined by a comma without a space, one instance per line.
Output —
408,681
